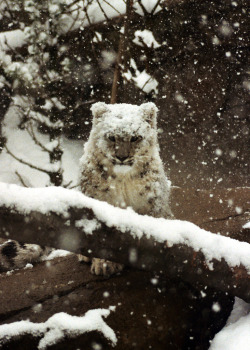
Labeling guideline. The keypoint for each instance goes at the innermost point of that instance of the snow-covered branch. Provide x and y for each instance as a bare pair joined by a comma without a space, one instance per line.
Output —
69,220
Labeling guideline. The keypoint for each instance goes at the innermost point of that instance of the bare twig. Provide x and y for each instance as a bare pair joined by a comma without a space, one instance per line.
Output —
9,10
123,38
155,7
35,139
112,7
87,15
74,186
67,184
20,160
117,72
146,83
71,11
85,103
104,13
21,179
73,3
145,12
88,18
74,21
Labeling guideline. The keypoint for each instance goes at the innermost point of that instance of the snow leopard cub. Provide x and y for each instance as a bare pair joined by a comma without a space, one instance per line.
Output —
122,166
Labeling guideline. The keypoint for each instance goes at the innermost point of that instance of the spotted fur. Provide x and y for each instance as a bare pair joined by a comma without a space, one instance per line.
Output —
122,166
14,255
121,163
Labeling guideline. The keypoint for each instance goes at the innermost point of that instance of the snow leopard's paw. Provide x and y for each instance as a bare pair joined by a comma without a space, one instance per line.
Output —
83,259
101,267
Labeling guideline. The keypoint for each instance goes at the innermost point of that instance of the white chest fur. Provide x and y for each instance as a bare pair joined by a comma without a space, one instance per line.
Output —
128,192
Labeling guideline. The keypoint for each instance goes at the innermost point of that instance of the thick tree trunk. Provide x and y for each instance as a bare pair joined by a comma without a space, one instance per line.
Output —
165,258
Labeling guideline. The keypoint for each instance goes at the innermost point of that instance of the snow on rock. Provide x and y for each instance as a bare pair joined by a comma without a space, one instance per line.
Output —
59,326
236,333
59,200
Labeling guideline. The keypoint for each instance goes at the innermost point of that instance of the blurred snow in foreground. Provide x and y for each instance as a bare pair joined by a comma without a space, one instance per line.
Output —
236,334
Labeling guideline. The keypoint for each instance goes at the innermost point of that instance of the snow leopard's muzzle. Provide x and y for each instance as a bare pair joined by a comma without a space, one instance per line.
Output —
123,153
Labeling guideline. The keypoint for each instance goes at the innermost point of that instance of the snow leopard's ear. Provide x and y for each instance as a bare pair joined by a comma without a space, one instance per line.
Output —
149,112
98,109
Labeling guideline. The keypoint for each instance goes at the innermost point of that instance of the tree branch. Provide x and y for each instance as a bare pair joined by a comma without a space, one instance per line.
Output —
155,7
35,139
67,219
104,13
21,179
145,12
121,52
55,176
20,160
117,72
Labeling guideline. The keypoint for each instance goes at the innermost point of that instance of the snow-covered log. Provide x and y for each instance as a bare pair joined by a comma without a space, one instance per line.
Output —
67,219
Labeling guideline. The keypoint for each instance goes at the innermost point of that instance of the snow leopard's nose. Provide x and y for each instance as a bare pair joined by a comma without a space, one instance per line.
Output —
122,150
121,159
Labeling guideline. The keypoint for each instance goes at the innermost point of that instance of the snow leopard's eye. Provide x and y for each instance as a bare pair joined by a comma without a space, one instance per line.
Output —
135,138
111,138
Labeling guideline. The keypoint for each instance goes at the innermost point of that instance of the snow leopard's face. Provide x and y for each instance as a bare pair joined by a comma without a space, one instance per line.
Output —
124,134
123,148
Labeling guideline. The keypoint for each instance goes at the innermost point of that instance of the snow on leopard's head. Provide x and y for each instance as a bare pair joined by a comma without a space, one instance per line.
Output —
124,134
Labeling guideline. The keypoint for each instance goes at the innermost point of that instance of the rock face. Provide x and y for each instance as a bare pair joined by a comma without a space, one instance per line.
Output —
152,312
223,211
